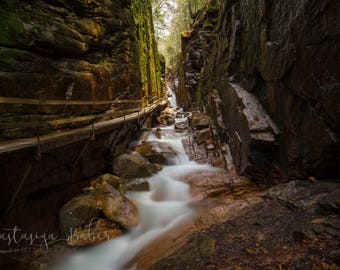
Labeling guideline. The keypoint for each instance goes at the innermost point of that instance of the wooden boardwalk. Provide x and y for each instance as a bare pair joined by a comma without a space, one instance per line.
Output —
61,138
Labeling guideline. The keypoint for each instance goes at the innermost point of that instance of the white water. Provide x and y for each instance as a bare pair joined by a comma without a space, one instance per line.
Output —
165,206
172,98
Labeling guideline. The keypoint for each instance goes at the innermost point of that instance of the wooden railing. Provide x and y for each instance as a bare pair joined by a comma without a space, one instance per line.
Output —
39,127
93,117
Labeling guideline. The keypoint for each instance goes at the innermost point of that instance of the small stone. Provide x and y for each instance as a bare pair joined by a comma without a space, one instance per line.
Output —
334,267
200,121
312,179
203,135
325,265
218,162
319,221
264,250
209,141
248,251
179,115
158,133
181,125
299,236
210,147
167,117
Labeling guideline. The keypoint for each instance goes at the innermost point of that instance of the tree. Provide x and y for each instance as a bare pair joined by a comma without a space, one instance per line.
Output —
171,18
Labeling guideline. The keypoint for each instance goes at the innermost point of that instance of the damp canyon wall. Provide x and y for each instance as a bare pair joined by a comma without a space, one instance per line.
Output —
268,71
77,50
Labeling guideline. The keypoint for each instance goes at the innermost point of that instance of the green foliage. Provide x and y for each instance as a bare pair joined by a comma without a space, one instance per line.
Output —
171,18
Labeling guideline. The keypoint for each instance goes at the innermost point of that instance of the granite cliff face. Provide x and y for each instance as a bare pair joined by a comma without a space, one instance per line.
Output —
74,50
268,73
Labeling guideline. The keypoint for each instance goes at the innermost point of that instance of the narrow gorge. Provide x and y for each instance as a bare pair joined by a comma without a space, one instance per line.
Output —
169,134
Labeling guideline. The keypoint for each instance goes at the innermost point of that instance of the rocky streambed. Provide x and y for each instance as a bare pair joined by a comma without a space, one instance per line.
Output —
174,201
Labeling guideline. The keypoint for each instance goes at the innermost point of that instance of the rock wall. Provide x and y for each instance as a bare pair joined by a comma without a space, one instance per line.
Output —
41,187
75,50
284,56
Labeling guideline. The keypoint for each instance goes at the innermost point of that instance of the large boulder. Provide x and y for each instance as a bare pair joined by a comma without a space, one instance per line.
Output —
116,207
138,184
133,166
78,212
213,183
113,180
167,117
157,152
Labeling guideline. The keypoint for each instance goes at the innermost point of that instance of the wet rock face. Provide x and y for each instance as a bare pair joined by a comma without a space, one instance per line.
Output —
133,166
78,212
118,208
101,200
96,233
167,117
76,50
285,56
157,152
286,226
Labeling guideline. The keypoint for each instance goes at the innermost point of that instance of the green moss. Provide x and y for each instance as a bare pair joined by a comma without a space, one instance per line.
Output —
147,50
11,28
199,97
49,20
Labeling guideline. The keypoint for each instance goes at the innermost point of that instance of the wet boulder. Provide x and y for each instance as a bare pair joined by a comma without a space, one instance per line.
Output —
158,133
78,212
213,183
203,135
138,184
180,126
113,180
116,207
157,152
200,121
167,117
100,231
133,166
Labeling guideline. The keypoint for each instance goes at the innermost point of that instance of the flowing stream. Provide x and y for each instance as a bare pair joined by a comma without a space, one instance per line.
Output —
161,209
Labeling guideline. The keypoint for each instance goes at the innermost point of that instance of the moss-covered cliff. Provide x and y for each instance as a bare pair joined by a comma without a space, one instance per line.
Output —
75,50
270,74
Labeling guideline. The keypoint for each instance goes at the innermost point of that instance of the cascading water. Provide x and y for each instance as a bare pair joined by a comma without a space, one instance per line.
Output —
172,98
161,209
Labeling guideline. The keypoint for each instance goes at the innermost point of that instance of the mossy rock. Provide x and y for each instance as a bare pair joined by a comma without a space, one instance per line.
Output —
11,29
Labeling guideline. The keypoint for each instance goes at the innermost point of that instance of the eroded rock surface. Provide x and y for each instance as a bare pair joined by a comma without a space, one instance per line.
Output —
285,227
167,117
157,152
133,166
117,208
267,73
97,232
78,212
73,50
